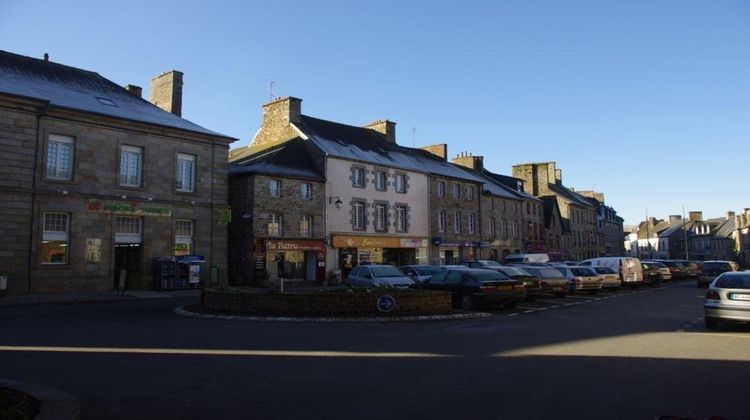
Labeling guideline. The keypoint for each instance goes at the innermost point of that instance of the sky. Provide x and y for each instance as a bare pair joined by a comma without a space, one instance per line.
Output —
645,101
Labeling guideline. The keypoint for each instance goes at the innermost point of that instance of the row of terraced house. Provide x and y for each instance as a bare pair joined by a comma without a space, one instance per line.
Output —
101,186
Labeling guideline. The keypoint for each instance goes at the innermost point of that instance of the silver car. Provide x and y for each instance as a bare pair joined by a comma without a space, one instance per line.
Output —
378,276
728,299
420,272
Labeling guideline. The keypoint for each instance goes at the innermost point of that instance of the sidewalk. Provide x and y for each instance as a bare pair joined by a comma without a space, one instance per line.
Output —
109,296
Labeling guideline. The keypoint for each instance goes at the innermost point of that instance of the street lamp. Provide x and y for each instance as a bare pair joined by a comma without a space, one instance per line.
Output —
338,203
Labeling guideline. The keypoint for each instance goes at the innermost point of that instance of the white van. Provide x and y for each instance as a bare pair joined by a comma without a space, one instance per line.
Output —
526,258
629,268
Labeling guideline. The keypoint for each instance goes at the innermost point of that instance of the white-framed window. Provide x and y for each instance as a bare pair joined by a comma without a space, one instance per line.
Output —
358,177
305,226
380,181
274,187
128,229
401,218
472,222
380,217
504,229
442,221
400,180
131,166
275,224
358,215
55,238
183,237
441,188
457,222
470,192
185,181
456,191
305,191
60,157
493,227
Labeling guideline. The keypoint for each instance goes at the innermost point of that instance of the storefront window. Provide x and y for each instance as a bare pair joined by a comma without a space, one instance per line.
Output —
55,238
183,237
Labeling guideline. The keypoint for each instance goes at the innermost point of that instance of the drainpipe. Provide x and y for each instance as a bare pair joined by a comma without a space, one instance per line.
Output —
30,263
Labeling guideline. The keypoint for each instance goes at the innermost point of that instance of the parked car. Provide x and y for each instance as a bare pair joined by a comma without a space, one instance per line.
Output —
610,278
472,287
570,263
377,276
629,268
531,282
526,258
679,272
488,264
711,269
419,272
452,267
692,270
651,273
728,299
664,273
553,281
582,278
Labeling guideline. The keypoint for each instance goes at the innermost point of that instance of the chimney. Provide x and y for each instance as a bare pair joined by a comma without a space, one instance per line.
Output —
730,215
166,92
558,176
384,127
439,150
675,219
695,216
467,160
46,58
135,90
282,111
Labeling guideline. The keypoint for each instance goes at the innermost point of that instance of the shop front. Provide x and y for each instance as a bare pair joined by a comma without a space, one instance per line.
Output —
455,252
300,259
357,250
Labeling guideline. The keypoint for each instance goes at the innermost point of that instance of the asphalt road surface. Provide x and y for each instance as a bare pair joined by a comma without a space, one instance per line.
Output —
634,354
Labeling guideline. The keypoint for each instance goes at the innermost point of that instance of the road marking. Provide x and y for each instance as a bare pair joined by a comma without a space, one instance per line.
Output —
528,312
221,352
513,314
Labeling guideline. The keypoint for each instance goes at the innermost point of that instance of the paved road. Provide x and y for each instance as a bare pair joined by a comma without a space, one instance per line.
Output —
631,355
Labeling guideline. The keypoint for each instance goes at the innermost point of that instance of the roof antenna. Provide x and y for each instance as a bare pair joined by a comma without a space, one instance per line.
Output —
414,137
270,90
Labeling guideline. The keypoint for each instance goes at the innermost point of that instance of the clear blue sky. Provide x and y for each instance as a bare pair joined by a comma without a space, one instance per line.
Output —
646,101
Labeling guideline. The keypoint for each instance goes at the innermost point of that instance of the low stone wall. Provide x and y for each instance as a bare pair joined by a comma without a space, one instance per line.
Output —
331,303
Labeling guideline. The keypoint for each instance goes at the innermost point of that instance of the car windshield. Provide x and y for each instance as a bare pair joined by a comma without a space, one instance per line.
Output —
426,270
716,266
548,273
734,282
515,271
583,271
604,270
489,263
657,264
486,276
386,271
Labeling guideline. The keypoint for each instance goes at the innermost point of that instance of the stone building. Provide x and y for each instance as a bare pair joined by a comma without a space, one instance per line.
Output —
742,237
609,226
97,180
544,179
557,231
277,197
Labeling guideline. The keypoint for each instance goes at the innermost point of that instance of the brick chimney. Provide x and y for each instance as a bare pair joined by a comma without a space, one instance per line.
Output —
536,176
439,150
695,216
384,127
135,90
166,92
467,160
675,219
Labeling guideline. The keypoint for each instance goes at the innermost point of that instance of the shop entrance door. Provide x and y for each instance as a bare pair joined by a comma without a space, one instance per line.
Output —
128,258
311,265
449,258
400,256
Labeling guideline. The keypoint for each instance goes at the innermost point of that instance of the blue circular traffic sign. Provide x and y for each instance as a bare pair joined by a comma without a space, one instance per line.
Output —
386,303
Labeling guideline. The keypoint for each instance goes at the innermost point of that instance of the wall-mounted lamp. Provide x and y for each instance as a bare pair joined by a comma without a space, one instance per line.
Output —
338,203
247,216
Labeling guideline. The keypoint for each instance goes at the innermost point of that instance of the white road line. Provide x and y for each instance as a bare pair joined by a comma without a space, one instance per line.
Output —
553,307
529,312
513,314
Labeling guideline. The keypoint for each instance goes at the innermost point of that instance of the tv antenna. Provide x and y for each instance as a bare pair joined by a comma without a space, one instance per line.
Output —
414,137
270,90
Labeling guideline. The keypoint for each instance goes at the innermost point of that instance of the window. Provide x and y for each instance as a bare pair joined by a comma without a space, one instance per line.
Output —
358,215
470,192
127,230
275,224
493,227
183,237
358,177
380,217
400,183
456,191
401,218
441,221
305,226
380,181
441,188
472,222
55,238
131,161
504,229
185,172
305,191
457,222
274,188
60,157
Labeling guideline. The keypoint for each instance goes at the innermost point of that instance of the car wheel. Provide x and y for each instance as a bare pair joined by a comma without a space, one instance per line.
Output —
712,323
467,302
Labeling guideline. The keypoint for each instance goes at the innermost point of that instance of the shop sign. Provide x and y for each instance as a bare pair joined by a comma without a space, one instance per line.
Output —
465,244
294,245
340,241
133,208
413,243
437,240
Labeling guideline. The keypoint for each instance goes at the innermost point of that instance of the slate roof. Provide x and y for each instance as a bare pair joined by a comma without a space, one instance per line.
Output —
509,183
366,145
82,90
550,211
726,229
677,228
570,195
290,159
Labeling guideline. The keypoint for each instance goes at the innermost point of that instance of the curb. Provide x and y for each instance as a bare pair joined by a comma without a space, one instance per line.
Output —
54,404
180,310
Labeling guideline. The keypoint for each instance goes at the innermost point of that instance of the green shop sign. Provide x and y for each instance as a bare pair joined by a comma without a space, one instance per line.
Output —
133,208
